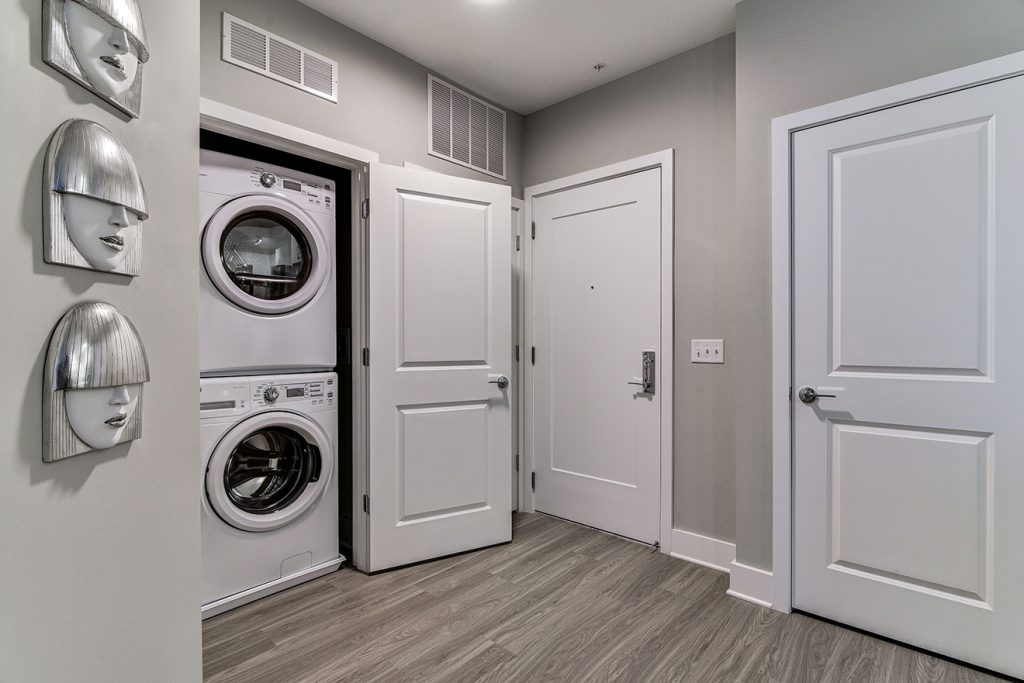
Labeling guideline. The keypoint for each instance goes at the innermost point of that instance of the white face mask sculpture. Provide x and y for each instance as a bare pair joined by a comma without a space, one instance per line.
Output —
100,44
95,201
92,382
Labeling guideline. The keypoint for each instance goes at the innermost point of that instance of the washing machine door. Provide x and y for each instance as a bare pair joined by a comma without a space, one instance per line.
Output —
265,254
268,471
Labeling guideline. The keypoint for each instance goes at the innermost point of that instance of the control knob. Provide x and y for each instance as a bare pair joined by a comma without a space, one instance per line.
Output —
268,179
270,394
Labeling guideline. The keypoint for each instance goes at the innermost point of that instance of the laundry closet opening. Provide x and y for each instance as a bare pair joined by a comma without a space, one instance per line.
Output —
272,290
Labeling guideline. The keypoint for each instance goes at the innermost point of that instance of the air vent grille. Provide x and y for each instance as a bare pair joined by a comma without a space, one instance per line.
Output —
255,49
465,129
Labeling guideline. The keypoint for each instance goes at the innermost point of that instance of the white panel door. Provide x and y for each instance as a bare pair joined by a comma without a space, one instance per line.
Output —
597,309
909,309
440,337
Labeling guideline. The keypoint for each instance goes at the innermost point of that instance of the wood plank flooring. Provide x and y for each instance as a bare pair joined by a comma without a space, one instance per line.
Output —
561,602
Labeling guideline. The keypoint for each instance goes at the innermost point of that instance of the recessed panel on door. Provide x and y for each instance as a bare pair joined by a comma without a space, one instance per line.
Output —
913,506
443,269
911,222
442,465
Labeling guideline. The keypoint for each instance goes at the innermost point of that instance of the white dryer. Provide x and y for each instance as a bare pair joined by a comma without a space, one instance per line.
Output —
267,298
269,485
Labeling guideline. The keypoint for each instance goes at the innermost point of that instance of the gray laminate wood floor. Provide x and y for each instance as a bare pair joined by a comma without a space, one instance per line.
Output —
561,602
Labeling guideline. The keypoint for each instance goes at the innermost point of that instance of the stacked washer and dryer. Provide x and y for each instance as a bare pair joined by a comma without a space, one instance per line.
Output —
268,393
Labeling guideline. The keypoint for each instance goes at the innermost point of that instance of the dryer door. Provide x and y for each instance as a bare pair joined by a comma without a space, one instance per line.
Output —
265,254
268,471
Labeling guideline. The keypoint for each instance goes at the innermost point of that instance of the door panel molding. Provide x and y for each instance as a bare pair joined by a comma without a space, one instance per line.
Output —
783,130
662,160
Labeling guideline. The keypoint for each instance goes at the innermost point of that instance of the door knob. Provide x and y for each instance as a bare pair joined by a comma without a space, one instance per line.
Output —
501,380
809,395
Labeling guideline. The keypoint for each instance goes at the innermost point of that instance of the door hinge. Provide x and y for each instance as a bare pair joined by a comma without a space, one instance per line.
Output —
517,353
791,394
533,230
517,462
517,242
366,504
533,481
533,355
364,210
366,357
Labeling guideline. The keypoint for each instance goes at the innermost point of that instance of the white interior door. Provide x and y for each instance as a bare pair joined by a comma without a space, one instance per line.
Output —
908,287
440,338
596,311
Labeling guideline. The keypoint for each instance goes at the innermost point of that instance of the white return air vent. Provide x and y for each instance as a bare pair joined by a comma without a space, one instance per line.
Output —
250,47
465,129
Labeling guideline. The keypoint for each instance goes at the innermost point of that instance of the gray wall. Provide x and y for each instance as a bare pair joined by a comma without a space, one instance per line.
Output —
686,103
99,554
382,94
792,55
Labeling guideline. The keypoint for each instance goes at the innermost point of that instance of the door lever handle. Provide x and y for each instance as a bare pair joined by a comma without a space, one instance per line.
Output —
647,383
501,380
809,395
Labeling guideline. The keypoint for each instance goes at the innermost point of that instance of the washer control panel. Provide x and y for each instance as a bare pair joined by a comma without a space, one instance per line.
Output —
278,393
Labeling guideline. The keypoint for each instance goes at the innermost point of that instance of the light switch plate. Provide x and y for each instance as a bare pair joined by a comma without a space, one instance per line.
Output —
707,351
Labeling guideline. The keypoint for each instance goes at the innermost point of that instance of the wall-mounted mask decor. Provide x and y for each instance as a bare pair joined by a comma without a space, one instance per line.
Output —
92,382
93,201
100,44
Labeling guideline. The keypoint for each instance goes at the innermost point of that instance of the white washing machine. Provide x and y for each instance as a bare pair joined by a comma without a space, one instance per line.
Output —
267,300
269,485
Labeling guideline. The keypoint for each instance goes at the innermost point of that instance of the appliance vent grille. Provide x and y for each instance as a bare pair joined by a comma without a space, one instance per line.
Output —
255,49
465,129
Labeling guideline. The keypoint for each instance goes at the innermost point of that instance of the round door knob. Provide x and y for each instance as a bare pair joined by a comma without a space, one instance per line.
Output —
502,381
270,394
268,179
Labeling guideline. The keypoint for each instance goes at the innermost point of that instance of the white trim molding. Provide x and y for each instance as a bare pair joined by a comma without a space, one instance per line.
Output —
238,123
783,129
662,160
703,550
750,584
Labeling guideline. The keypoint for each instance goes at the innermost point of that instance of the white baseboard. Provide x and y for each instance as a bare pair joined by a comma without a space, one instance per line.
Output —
751,584
703,550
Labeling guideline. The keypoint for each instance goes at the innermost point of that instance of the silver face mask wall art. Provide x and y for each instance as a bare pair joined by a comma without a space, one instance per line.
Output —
92,382
93,201
100,44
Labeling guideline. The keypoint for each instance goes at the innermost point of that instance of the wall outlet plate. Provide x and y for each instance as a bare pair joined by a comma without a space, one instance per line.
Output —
707,351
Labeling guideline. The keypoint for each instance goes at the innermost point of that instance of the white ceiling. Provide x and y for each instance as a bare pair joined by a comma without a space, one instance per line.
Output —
528,54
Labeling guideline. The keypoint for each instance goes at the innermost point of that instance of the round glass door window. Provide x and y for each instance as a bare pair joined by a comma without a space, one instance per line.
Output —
266,255
270,469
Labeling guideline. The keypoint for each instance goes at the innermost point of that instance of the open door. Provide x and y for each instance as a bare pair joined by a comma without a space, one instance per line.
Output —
440,359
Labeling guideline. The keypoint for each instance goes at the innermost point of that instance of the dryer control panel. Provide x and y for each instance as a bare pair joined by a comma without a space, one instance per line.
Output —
225,174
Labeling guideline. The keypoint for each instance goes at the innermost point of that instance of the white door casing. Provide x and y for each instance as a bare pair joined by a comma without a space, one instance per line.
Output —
596,307
518,380
440,334
907,483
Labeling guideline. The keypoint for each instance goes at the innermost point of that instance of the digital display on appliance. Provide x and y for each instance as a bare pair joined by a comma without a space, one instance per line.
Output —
292,185
295,392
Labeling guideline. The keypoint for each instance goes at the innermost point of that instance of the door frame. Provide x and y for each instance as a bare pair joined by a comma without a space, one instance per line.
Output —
662,160
238,123
783,128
